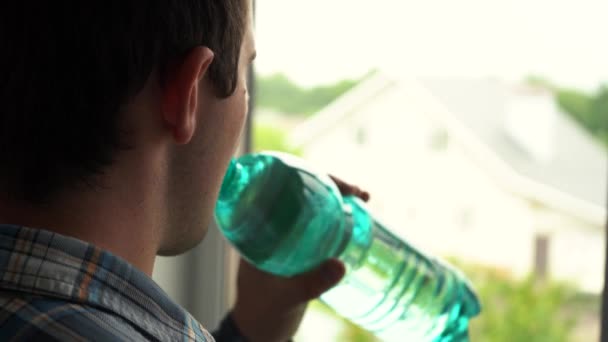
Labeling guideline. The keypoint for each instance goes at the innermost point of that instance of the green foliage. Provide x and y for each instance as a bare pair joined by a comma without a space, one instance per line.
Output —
521,309
589,110
266,137
513,310
354,333
576,103
539,81
350,331
598,118
278,93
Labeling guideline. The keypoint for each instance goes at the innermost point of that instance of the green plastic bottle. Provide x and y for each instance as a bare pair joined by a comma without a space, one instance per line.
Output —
286,219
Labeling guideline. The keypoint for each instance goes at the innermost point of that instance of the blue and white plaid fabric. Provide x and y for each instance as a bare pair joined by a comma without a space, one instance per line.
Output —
53,287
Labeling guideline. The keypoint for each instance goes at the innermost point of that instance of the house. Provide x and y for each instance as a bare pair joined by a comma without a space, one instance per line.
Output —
482,170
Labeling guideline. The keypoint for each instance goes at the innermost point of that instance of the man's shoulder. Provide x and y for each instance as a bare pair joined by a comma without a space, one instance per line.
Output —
24,317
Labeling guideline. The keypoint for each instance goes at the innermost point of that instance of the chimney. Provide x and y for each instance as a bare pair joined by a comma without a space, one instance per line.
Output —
531,114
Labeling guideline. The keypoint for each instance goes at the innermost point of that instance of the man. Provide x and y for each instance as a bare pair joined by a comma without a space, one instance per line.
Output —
117,123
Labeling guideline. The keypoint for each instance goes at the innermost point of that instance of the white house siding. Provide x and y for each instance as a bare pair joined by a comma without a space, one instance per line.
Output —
577,254
440,200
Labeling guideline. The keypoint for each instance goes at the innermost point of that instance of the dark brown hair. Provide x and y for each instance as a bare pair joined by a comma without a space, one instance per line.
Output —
68,67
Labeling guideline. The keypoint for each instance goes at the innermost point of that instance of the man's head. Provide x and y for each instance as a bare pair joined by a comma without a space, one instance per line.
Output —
85,82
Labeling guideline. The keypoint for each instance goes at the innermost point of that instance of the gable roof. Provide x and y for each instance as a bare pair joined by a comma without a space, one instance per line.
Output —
574,180
578,166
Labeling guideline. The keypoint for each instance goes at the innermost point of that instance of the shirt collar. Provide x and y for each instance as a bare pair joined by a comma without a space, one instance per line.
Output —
43,263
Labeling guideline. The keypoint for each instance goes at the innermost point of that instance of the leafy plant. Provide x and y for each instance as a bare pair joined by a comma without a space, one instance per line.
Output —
267,137
513,310
589,110
279,93
520,309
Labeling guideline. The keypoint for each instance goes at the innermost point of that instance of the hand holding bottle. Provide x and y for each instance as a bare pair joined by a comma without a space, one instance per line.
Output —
269,307
287,219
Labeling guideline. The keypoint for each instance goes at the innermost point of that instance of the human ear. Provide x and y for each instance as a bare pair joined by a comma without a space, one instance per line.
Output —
180,99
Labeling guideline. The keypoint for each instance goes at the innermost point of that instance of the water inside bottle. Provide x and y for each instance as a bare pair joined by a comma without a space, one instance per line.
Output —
282,219
397,292
287,220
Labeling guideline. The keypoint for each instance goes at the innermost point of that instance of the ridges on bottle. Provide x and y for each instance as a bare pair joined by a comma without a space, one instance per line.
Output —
286,219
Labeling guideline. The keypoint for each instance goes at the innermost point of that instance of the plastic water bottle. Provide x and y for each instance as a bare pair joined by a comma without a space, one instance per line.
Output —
286,219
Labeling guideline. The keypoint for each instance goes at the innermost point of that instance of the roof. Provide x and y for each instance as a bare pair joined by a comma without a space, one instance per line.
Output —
574,179
579,164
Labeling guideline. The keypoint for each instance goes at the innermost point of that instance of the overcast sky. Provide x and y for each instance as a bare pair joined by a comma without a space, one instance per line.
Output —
319,41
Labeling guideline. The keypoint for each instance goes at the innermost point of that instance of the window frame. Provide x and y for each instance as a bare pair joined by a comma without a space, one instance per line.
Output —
203,280
604,308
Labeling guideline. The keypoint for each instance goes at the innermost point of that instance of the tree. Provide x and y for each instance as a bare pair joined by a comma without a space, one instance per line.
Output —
575,103
266,137
513,309
589,110
598,117
279,93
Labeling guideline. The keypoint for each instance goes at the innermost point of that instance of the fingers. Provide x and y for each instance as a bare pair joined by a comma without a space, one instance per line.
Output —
364,195
349,189
314,283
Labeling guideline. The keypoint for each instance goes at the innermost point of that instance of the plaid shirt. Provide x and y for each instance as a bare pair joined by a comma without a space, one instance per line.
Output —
53,287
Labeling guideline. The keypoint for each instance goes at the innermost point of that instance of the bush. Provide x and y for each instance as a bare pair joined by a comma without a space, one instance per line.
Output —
590,111
520,309
513,310
279,93
266,137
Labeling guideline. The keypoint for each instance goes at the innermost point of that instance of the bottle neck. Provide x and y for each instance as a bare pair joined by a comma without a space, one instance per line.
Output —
229,190
228,196
229,176
348,227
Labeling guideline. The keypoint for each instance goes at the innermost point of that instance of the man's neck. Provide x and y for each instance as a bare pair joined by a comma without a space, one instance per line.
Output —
123,218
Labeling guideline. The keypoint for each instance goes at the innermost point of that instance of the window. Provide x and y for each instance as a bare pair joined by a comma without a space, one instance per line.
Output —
515,100
361,136
438,141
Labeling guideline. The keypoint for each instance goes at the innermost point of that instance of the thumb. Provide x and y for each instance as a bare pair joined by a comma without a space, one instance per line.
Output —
314,283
